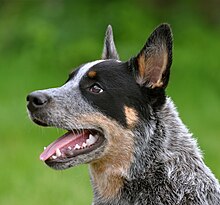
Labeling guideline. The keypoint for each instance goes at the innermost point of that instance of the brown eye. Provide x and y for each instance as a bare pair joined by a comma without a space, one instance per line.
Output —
96,89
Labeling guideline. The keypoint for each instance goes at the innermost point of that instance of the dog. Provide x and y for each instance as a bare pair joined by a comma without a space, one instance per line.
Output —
120,122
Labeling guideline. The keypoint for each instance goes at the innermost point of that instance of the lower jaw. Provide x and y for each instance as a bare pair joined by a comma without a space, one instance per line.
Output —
60,165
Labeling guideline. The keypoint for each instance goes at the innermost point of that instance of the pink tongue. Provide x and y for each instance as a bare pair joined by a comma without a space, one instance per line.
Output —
58,144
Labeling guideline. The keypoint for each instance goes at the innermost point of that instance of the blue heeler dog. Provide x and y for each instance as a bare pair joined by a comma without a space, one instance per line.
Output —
120,122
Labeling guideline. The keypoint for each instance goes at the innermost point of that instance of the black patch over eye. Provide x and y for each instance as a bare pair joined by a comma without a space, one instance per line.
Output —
96,89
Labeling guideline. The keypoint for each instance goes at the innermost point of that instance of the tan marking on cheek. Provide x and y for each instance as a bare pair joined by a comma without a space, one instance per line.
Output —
92,74
110,169
131,116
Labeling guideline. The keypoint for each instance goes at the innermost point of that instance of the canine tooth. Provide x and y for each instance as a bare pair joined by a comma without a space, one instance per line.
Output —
88,142
84,145
54,157
77,146
58,152
69,148
92,139
45,148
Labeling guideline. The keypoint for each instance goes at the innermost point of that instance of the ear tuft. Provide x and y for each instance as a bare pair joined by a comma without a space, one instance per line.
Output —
154,60
109,50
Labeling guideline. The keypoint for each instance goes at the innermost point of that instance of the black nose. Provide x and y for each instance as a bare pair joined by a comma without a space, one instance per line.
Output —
36,100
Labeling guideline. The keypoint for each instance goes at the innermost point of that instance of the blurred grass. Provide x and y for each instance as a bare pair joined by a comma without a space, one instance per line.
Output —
41,41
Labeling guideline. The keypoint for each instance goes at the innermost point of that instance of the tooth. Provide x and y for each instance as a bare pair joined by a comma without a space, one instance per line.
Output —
69,148
92,139
54,157
45,148
88,142
58,152
84,145
77,146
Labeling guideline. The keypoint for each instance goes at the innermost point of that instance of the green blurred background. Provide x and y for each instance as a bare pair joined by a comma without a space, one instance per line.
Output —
41,41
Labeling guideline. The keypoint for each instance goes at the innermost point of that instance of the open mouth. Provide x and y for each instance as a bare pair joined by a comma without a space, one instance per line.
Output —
72,144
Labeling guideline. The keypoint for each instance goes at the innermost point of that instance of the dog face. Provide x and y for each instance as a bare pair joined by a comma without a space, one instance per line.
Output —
103,102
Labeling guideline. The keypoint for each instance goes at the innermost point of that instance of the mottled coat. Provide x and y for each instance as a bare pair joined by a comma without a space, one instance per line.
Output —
122,124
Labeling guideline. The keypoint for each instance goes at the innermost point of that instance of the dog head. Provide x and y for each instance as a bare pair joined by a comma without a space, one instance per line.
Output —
103,102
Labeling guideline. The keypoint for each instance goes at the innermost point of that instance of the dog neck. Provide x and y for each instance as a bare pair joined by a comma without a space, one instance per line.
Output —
109,172
112,177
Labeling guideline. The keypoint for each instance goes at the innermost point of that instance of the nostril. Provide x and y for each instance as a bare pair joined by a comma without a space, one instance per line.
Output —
39,101
36,100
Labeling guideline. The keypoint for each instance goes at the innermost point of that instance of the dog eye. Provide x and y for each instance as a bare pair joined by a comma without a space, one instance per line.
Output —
96,89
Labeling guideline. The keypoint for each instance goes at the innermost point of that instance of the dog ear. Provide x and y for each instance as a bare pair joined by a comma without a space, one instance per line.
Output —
109,50
152,64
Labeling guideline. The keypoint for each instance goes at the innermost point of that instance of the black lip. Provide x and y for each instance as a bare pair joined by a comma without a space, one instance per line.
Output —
40,123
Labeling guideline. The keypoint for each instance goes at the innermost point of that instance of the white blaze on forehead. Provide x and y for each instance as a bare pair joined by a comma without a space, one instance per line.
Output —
73,83
83,70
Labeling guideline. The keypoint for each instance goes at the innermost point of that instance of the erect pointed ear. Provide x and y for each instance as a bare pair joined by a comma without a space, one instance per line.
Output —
109,50
152,64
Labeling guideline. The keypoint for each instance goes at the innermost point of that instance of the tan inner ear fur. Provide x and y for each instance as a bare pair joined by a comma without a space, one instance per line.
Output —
108,172
151,66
